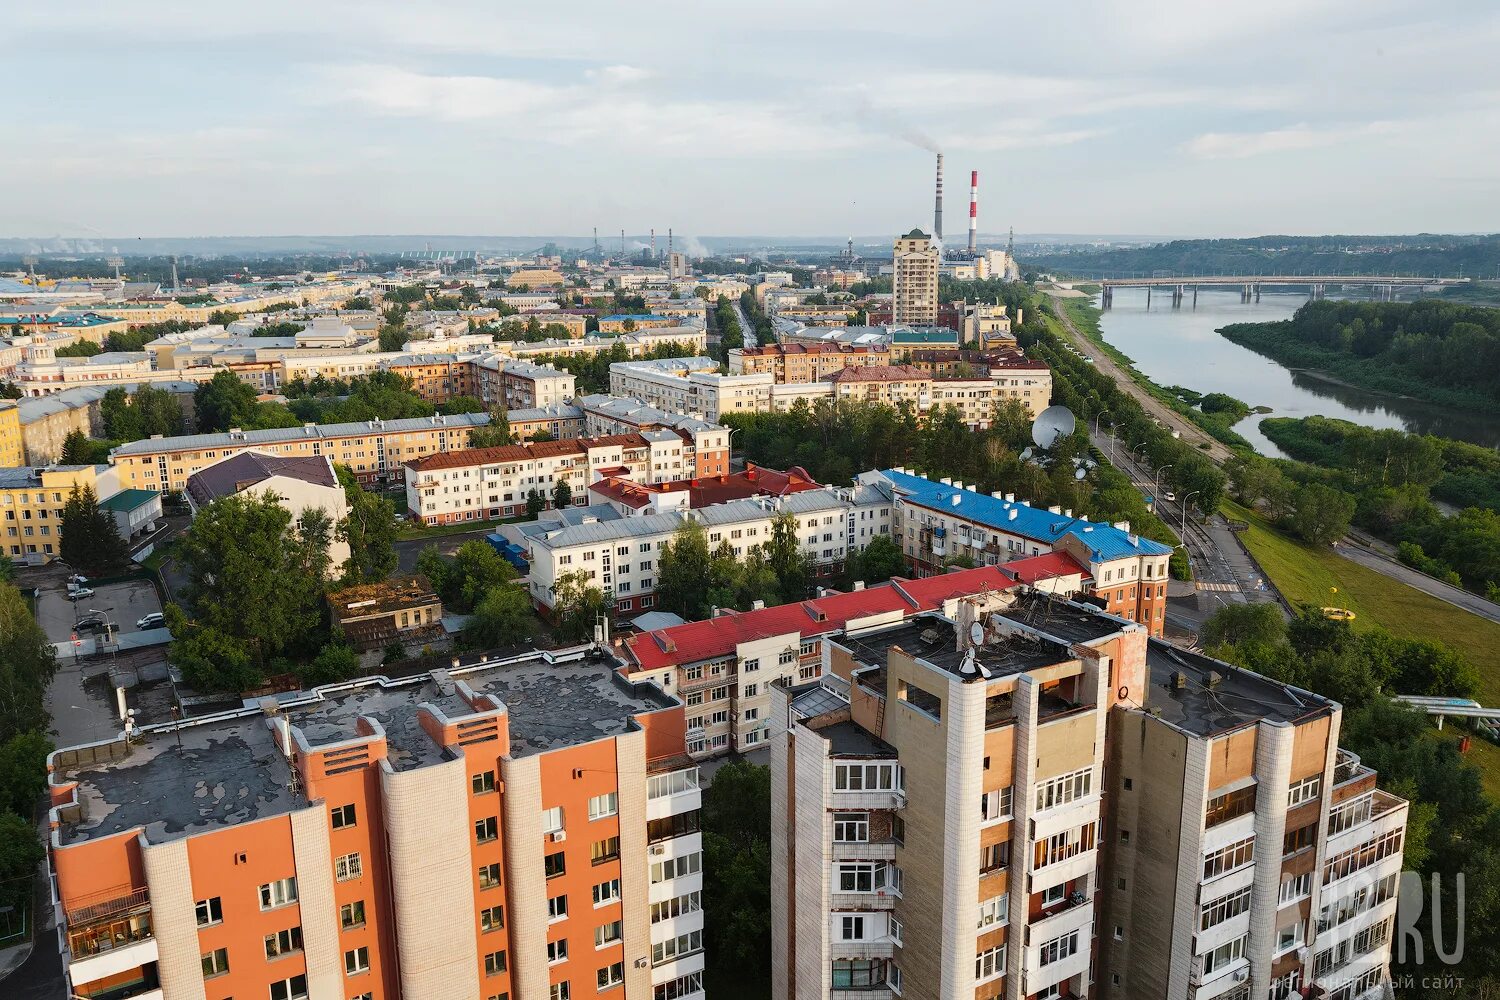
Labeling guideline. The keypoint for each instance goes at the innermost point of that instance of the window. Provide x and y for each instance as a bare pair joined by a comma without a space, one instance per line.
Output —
552,820
604,850
994,856
674,948
1294,888
688,864
494,963
1228,859
560,991
210,911
294,988
489,876
1230,805
216,963
557,951
678,988
347,866
1058,948
283,942
1064,788
343,816
1229,951
554,864
356,960
492,919
607,934
996,805
1350,814
278,893
1363,856
851,828
1304,791
483,782
750,691
486,830
852,928
557,907
669,909
1065,845
1287,987
1299,839
868,777
750,666
352,914
858,973
676,825
989,964
611,975
995,911
607,892
604,805
1216,911
1289,937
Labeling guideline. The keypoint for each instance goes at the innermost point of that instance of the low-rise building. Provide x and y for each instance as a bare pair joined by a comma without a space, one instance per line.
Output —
299,485
630,322
522,827
805,362
631,497
402,609
521,385
12,438
135,512
372,449
33,497
46,421
617,415
560,422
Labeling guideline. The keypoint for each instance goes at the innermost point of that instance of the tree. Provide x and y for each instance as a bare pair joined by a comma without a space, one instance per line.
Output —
79,349
494,435
787,560
576,606
736,821
682,579
462,580
369,529
90,538
27,665
501,618
880,560
335,662
79,449
463,404
535,503
23,771
562,494
1322,513
359,302
20,853
1241,624
223,402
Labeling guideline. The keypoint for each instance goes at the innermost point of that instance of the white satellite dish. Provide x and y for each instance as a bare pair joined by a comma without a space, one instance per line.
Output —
1081,473
1026,455
1051,424
968,668
976,633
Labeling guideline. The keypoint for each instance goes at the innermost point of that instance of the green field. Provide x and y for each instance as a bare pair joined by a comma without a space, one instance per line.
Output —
1305,573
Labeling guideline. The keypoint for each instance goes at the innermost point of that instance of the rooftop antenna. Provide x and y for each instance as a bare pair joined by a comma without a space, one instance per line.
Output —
622,244
976,633
597,252
1010,244
969,667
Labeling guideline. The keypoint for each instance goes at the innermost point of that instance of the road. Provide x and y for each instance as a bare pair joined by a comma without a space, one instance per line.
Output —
1226,549
1188,430
747,332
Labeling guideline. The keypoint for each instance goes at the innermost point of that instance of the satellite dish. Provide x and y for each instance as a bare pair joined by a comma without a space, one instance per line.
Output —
968,668
1051,424
976,634
1081,473
1026,455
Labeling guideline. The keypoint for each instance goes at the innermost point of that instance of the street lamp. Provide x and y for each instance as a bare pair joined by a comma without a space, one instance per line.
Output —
1156,482
1185,509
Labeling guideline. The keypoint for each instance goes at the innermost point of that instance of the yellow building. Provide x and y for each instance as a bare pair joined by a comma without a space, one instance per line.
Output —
12,453
32,501
915,279
535,278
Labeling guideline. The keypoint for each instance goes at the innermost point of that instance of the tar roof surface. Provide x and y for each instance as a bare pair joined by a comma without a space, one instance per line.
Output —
934,640
1206,707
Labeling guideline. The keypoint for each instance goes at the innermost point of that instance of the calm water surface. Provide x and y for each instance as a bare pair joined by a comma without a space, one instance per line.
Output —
1182,347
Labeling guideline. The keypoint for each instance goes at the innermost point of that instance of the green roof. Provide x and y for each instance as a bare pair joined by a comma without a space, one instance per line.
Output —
927,335
128,500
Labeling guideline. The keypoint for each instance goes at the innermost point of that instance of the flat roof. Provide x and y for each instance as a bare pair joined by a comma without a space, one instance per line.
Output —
194,442
1218,697
227,769
934,639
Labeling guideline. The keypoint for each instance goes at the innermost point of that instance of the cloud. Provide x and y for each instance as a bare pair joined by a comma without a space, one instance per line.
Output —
1242,145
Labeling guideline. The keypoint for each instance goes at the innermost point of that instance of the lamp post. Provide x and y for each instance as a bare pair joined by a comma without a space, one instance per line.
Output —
1185,509
1156,482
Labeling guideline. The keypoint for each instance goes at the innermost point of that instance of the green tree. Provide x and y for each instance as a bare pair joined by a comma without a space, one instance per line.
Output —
535,503
1241,624
27,665
23,771
1322,513
880,560
20,853
224,402
209,658
79,349
787,560
359,302
496,434
463,579
369,529
562,495
736,820
90,539
463,404
682,579
79,449
501,618
576,606
335,662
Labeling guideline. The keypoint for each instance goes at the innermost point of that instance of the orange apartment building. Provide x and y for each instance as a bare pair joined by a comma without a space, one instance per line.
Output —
805,362
522,828
372,450
437,378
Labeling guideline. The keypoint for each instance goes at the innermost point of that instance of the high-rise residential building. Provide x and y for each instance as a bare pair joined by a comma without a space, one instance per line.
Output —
1031,798
915,280
522,828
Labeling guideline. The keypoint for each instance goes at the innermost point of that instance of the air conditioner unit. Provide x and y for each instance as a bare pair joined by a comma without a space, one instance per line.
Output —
641,963
657,850
1241,975
557,836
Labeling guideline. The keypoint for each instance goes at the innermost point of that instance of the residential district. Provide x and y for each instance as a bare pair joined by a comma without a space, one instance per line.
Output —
995,771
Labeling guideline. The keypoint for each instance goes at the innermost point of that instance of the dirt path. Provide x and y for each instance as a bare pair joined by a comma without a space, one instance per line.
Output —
1189,431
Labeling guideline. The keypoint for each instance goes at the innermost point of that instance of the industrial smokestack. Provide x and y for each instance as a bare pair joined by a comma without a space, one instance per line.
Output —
937,208
973,211
653,243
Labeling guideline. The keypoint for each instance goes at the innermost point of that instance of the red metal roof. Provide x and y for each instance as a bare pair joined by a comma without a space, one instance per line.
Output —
706,491
1047,566
523,452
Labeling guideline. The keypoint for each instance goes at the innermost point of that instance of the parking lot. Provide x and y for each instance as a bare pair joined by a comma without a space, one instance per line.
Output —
123,603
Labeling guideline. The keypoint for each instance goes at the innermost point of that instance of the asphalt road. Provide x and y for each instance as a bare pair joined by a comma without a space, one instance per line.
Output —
747,332
1355,551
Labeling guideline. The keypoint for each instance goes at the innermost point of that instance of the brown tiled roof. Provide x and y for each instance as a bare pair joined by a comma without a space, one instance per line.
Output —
523,452
248,468
881,373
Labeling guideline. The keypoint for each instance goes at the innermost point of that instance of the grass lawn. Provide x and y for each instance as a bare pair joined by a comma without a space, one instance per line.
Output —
412,532
1305,574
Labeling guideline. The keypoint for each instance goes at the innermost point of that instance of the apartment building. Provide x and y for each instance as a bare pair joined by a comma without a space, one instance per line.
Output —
619,553
524,827
692,386
631,497
805,362
12,441
372,449
32,498
723,668
690,338
630,322
934,521
559,422
437,378
914,285
485,483
941,825
520,385
614,415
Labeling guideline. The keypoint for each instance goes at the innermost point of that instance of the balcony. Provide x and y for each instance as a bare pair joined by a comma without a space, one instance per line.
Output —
1077,910
147,987
874,849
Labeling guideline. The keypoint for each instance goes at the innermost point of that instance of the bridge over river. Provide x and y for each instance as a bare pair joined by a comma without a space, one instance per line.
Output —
1179,286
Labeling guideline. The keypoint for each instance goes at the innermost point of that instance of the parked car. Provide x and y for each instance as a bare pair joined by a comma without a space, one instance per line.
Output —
93,623
154,620
80,593
77,580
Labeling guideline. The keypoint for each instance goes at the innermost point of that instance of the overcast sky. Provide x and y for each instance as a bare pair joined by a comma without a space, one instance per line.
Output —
167,118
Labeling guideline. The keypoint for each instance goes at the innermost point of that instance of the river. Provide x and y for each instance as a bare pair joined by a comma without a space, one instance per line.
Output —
1182,347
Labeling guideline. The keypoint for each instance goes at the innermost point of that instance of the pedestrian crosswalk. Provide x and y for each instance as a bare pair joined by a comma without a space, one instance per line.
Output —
1218,586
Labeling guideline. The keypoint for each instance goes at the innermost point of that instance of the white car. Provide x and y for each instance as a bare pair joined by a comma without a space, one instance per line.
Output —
1169,496
154,620
80,593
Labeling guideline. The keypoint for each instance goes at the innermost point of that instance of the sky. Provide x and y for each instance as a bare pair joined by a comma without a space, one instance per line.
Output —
1171,117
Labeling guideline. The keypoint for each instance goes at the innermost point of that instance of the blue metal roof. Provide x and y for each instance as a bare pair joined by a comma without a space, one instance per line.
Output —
1105,541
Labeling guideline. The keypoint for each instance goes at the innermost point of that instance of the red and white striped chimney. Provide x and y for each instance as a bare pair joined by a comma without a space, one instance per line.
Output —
973,210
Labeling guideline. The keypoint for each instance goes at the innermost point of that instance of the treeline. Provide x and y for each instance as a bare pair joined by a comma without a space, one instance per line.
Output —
1452,826
726,323
765,333
27,666
1423,255
1385,480
1435,350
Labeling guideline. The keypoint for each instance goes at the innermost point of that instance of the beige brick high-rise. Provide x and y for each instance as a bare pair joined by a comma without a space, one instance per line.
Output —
914,284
